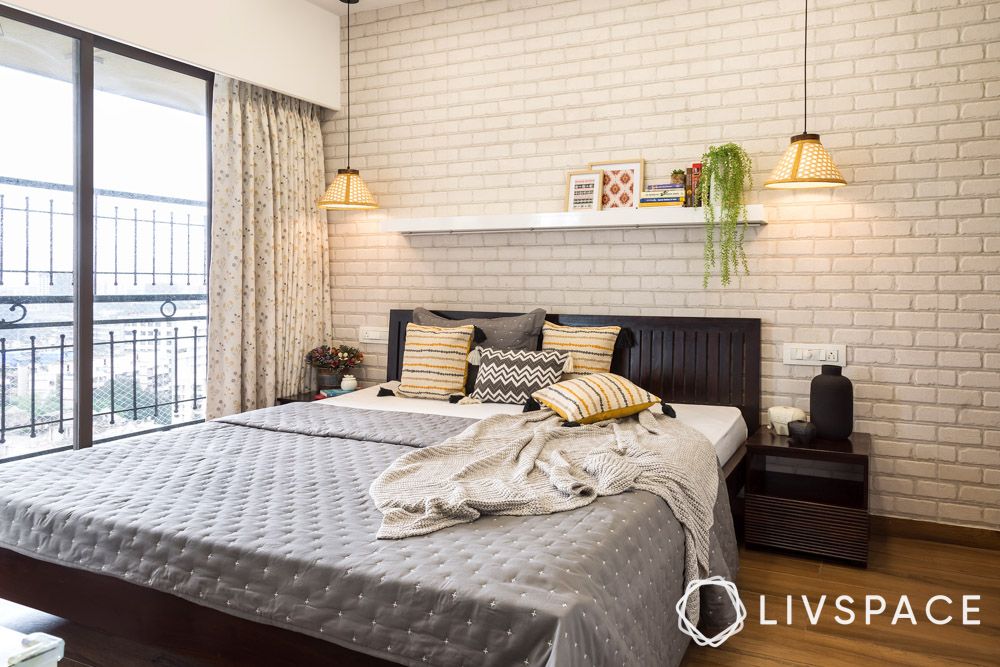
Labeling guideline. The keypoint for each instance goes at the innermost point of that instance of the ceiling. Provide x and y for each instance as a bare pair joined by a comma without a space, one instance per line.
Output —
338,7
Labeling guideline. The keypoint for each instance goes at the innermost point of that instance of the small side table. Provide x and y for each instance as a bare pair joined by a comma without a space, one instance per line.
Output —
808,498
304,397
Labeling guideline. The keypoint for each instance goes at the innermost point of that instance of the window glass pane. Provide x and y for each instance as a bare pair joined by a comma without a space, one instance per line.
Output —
37,194
150,217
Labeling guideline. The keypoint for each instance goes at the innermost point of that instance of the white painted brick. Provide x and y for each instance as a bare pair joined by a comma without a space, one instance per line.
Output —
465,107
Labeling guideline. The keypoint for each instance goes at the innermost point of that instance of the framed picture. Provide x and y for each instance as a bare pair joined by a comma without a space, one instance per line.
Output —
583,190
621,184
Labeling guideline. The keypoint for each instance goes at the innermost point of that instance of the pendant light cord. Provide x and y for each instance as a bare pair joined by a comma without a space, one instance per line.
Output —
805,74
348,86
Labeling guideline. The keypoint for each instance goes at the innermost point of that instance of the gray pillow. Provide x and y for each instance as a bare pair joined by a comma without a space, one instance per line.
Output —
519,332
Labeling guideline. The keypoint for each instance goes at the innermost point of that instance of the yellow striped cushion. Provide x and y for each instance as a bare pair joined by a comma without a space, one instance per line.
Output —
590,348
595,397
434,361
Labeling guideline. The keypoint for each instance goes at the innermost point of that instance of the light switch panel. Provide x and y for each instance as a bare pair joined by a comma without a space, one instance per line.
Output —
814,354
373,335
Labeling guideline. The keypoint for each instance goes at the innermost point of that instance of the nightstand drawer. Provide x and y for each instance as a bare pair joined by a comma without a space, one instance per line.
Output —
815,528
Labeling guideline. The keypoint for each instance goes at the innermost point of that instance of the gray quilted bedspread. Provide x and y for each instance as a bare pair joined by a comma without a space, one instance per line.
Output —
266,515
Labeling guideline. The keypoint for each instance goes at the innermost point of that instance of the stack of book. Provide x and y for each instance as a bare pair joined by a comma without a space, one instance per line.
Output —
662,194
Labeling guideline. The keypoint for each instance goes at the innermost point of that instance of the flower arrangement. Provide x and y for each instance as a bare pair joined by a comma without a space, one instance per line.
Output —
335,358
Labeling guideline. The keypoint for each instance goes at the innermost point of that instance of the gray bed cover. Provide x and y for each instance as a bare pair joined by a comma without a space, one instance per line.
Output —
266,515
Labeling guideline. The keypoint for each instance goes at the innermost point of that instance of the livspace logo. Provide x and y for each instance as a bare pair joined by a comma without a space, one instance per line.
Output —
938,610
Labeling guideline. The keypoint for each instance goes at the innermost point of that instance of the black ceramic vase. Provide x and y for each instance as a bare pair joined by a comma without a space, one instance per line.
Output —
831,404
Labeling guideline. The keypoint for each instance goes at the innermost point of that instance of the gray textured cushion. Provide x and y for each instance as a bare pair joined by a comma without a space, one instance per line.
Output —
512,376
518,332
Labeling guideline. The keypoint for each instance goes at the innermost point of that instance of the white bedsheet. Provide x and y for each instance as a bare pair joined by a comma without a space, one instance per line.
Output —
722,425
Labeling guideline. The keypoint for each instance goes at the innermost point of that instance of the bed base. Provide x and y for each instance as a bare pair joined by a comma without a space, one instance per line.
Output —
155,618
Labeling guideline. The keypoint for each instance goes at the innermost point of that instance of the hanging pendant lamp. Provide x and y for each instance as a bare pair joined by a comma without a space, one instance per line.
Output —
348,191
805,164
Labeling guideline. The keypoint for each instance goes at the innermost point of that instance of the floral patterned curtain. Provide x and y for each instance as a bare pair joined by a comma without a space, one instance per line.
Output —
269,279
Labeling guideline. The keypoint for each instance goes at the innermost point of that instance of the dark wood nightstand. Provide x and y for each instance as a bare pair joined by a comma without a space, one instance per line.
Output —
304,397
808,498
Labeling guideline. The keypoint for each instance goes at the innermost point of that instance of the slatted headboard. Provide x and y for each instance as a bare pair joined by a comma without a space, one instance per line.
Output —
705,360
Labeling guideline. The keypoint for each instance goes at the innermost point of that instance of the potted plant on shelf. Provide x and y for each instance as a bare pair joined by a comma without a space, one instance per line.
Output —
725,178
331,363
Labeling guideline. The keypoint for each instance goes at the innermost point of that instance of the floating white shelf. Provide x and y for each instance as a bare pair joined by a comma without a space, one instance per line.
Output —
615,218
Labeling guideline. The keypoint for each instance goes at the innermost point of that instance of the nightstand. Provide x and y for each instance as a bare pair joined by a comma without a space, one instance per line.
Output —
808,498
304,397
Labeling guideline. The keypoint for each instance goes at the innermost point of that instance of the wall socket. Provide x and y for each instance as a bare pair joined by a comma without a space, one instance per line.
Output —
814,354
373,335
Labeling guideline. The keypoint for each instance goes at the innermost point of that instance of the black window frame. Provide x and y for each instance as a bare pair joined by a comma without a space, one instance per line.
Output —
83,264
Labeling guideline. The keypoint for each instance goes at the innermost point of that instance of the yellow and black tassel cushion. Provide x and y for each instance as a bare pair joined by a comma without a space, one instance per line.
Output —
590,348
434,361
595,397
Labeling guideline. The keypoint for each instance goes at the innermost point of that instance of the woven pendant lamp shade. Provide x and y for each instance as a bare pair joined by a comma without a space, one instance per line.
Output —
347,192
805,164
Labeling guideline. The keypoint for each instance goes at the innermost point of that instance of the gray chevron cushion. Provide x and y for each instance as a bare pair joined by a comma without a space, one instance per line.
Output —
512,376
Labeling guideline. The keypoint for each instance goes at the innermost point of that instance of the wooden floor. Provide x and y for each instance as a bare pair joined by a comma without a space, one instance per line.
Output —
917,568
898,565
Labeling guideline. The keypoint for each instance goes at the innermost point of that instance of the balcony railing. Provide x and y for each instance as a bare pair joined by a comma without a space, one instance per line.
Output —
150,313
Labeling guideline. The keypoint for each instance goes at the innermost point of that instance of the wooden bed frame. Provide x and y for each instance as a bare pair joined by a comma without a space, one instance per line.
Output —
712,361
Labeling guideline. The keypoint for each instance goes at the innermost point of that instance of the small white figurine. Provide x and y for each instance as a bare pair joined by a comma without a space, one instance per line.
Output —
780,415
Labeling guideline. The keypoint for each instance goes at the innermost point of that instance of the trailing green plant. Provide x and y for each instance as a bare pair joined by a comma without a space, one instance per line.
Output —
725,178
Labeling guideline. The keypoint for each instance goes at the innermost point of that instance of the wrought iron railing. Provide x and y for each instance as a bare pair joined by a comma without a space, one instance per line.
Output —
55,413
118,218
149,367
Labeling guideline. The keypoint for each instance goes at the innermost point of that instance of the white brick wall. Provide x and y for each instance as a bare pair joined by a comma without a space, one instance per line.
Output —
465,107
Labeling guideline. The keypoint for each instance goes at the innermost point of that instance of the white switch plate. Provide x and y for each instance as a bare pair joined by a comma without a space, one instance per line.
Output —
814,354
374,335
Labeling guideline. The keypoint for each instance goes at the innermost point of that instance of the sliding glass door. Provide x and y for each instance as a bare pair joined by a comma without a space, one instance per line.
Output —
38,197
150,229
104,165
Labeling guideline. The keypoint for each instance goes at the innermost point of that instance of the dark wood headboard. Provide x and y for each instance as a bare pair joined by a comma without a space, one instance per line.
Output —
705,360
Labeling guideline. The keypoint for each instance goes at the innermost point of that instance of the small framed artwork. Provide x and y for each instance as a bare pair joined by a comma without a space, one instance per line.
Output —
621,184
583,190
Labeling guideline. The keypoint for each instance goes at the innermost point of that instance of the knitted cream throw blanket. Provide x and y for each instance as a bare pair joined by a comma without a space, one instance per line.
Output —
529,464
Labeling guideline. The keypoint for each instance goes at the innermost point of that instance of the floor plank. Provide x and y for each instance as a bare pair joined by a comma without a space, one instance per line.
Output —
898,565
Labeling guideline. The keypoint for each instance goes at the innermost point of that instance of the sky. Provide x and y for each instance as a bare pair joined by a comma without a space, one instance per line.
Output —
138,146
